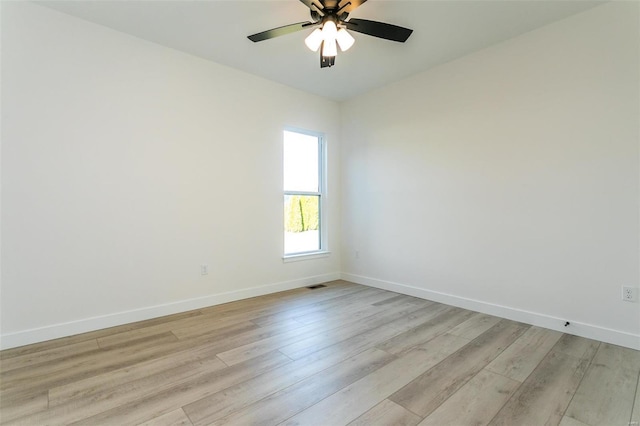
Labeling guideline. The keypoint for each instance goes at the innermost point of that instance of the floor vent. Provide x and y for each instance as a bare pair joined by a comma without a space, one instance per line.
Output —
313,287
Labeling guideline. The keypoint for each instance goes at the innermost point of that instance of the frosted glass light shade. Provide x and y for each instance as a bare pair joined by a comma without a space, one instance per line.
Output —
344,39
327,38
314,40
329,30
329,48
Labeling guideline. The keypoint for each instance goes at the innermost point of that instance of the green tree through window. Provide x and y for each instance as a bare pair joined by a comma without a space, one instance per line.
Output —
302,214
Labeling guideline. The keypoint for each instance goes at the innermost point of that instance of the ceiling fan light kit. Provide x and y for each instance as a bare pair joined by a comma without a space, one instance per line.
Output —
314,40
329,48
331,16
344,39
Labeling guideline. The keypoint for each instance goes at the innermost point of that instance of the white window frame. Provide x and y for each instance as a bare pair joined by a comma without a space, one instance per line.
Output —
322,200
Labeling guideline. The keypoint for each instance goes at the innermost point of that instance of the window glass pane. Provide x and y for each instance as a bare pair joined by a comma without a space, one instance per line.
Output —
301,223
300,162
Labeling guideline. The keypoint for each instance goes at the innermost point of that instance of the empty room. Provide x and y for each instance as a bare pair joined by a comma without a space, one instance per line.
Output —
320,212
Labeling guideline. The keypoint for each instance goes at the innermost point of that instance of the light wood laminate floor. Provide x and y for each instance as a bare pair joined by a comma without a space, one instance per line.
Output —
343,354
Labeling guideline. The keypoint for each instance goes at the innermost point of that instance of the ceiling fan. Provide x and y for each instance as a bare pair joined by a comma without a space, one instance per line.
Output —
330,16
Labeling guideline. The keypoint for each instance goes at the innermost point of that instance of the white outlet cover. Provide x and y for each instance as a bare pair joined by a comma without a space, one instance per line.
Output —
630,294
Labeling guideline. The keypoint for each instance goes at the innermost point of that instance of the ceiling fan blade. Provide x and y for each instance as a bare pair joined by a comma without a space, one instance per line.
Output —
314,4
280,31
311,3
349,6
379,29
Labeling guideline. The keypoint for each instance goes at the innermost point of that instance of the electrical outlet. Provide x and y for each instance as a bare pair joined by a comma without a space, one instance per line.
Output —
630,294
204,269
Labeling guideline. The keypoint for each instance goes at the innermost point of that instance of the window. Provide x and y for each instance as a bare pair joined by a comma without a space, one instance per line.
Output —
303,193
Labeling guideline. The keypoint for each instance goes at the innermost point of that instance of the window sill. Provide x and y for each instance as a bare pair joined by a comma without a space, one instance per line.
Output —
305,256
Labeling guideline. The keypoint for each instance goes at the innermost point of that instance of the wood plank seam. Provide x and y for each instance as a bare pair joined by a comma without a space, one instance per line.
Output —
222,361
634,407
564,412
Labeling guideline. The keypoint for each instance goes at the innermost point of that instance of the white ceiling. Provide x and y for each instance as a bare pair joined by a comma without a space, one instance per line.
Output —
217,30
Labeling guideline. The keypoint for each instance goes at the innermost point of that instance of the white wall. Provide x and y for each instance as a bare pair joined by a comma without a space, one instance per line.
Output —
126,165
507,181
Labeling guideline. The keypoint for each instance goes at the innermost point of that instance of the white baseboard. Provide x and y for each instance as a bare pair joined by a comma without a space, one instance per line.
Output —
35,335
56,331
579,329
